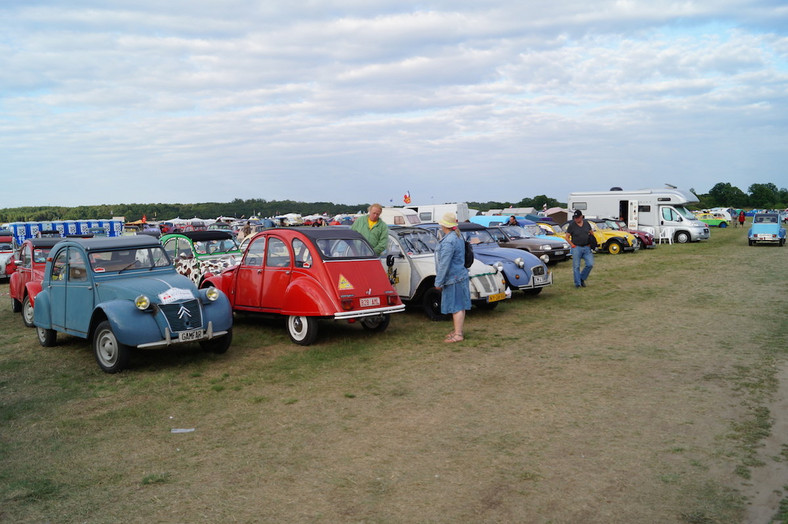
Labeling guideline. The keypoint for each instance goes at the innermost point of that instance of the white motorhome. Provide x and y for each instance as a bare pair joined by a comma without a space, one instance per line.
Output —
434,212
660,211
399,216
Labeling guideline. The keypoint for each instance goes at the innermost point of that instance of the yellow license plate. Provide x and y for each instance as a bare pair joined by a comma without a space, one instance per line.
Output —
496,297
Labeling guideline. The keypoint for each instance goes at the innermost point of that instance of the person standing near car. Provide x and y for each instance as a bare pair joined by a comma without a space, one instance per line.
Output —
741,218
373,228
451,276
578,234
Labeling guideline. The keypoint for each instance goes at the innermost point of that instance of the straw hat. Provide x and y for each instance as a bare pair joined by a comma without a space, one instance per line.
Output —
449,220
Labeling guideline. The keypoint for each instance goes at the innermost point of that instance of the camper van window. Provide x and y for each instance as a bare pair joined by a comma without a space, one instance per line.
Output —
580,205
644,209
663,199
425,216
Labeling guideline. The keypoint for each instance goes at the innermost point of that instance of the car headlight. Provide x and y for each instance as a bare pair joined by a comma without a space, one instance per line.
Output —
520,262
546,247
142,302
499,266
212,293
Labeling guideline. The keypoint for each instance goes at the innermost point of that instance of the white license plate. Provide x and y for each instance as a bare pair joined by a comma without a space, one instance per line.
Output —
559,252
188,336
540,279
368,302
496,297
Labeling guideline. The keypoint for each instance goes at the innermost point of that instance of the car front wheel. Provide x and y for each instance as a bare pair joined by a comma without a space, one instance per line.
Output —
111,355
376,324
614,248
682,237
46,337
302,330
218,345
27,311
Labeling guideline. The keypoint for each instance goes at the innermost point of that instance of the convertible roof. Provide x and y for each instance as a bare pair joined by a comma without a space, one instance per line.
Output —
202,236
122,242
44,242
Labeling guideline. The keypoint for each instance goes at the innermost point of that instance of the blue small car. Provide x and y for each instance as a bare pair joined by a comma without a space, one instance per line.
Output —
766,228
124,293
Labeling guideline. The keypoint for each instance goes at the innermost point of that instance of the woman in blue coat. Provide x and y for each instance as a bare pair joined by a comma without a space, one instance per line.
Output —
452,276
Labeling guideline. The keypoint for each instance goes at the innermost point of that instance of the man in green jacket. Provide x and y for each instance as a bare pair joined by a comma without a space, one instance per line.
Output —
373,228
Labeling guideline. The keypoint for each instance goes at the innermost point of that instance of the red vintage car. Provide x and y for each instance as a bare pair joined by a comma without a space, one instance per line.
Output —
308,274
25,282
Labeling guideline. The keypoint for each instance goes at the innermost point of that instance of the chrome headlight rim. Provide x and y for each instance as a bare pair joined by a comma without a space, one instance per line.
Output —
520,262
212,293
142,302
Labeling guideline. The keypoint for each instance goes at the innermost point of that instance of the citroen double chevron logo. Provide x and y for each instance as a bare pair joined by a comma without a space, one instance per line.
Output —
183,312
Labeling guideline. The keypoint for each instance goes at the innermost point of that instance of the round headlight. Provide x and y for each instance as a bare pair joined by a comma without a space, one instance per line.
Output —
499,266
519,261
212,293
142,302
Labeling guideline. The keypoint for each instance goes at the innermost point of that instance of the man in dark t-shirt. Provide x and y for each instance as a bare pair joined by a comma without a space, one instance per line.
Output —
578,234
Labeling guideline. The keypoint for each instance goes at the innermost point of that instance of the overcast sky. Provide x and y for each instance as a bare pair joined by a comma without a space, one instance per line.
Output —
354,101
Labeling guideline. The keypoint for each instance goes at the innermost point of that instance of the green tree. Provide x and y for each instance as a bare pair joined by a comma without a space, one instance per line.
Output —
723,194
764,196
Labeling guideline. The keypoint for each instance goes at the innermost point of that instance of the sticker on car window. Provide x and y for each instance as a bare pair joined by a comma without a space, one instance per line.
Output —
175,294
343,282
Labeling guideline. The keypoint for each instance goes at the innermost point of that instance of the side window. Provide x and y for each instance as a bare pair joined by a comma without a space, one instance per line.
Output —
27,259
254,255
668,213
59,266
277,254
170,246
303,257
184,248
394,248
77,269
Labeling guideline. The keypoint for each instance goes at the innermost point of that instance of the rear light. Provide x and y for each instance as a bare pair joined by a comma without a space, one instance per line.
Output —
391,300
347,304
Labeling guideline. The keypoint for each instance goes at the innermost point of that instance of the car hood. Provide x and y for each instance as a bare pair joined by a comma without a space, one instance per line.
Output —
161,288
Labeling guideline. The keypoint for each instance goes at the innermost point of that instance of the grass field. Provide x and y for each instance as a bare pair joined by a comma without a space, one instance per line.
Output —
646,397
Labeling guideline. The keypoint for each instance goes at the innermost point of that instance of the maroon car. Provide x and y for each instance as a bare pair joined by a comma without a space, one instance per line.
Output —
25,282
644,238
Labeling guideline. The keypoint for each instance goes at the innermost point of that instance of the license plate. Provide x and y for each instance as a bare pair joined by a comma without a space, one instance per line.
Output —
559,252
188,336
496,297
368,302
540,279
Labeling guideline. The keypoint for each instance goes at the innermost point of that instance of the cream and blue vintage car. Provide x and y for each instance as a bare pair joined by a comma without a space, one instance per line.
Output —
124,293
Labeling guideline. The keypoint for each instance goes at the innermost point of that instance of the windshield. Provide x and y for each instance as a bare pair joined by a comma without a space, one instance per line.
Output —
514,232
686,213
216,247
344,248
479,236
40,254
138,258
419,242
602,225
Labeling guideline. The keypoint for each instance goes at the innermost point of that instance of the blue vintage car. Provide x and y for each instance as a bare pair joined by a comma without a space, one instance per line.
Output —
766,229
520,269
124,293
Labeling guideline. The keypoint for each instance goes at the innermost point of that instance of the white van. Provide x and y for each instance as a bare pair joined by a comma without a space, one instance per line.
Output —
434,212
399,216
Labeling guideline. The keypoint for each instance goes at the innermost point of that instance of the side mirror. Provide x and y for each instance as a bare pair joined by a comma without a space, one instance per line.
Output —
390,260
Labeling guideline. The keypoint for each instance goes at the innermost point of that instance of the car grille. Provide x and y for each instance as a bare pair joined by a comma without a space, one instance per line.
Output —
537,270
183,316
486,283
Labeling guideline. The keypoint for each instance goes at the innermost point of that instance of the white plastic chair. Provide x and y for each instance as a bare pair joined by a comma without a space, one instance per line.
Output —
666,235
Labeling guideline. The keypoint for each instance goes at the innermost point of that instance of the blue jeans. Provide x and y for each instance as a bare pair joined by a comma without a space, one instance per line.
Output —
584,253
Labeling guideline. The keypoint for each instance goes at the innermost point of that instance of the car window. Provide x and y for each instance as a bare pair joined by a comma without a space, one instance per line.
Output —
393,247
77,269
26,259
303,257
419,242
59,266
498,235
255,252
344,248
479,236
170,246
126,259
277,253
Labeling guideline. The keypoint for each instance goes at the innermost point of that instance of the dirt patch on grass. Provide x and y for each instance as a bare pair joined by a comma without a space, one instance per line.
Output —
635,399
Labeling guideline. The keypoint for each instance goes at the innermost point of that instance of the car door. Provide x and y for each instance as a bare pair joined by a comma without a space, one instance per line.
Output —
400,272
79,293
277,272
249,275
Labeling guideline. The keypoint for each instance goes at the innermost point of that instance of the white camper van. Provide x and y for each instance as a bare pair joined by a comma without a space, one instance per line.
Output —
434,212
661,211
399,216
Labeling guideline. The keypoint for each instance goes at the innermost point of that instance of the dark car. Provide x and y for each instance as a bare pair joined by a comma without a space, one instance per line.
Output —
531,238
643,239
123,293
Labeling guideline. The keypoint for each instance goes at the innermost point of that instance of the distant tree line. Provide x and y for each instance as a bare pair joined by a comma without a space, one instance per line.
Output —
723,194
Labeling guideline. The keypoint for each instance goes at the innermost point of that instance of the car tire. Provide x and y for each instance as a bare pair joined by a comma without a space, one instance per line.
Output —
638,244
27,311
111,355
46,337
376,324
432,304
682,237
723,224
218,345
16,306
302,330
613,247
